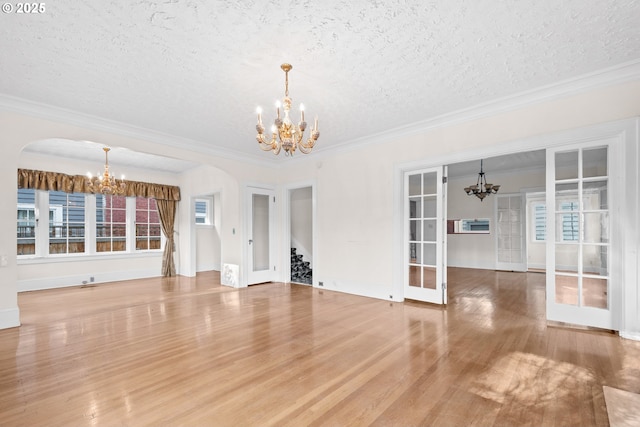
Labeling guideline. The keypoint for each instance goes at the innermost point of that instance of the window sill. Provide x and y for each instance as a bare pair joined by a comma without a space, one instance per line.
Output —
31,259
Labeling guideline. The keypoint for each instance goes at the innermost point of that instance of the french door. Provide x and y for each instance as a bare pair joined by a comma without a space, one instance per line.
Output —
260,226
425,272
510,232
581,231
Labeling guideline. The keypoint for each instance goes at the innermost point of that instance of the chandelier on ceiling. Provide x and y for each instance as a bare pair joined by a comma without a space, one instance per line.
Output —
481,189
106,183
284,133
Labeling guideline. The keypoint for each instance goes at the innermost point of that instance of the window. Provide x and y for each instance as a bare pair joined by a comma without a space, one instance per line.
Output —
111,223
569,222
539,222
147,224
80,223
26,222
67,229
204,211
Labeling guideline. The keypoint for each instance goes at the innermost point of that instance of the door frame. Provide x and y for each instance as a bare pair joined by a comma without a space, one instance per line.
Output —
626,131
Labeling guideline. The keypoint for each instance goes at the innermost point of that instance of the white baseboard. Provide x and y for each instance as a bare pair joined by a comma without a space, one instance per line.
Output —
361,289
9,318
208,267
630,335
77,280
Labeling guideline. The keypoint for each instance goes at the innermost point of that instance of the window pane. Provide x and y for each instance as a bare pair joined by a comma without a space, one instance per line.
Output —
596,227
415,185
415,208
429,254
67,222
26,222
594,162
430,207
566,289
594,292
567,258
595,260
415,230
594,195
111,227
567,165
430,183
148,228
429,230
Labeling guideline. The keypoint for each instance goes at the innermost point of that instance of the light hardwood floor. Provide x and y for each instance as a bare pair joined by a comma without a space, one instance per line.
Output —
187,351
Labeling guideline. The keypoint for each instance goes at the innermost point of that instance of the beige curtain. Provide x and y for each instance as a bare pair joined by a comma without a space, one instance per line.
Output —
167,212
54,181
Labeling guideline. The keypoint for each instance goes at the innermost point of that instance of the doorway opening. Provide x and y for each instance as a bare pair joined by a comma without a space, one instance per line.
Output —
301,235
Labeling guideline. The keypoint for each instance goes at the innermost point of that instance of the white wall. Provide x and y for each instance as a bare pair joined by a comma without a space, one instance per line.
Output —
208,243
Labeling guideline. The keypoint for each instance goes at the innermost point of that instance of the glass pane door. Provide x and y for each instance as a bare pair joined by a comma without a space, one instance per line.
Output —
510,233
424,198
579,282
260,233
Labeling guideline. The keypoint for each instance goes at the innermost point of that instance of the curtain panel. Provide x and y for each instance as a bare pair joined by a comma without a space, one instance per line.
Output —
54,181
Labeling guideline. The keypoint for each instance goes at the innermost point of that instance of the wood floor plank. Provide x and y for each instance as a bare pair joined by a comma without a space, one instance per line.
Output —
188,351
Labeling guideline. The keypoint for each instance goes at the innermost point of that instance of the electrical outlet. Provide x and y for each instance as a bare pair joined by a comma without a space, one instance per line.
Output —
320,283
92,279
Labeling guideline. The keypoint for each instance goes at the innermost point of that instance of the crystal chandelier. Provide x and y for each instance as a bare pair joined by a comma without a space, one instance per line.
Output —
481,189
285,134
106,183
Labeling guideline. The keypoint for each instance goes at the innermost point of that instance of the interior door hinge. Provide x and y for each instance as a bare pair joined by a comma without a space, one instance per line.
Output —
274,199
274,268
444,285
444,179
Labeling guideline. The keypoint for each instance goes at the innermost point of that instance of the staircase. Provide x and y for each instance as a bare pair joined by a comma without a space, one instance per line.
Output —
300,269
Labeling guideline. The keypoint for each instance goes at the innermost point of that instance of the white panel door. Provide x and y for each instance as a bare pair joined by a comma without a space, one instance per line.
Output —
510,232
583,256
260,235
425,257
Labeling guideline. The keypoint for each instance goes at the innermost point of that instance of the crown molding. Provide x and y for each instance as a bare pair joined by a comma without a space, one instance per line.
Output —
621,73
617,74
48,112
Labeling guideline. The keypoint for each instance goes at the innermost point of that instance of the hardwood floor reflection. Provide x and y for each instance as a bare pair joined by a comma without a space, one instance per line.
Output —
187,351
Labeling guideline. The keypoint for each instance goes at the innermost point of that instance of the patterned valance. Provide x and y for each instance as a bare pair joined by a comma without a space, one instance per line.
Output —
54,181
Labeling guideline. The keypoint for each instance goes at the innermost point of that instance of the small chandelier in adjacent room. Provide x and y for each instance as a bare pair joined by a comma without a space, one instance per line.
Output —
106,183
284,133
481,189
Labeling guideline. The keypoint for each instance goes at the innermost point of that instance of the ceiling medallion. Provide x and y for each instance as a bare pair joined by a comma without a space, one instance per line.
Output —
481,189
286,134
106,183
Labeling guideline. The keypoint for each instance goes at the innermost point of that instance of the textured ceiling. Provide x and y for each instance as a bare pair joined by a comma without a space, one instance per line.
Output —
198,69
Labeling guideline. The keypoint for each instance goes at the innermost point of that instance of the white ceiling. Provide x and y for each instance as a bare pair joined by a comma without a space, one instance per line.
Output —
197,69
